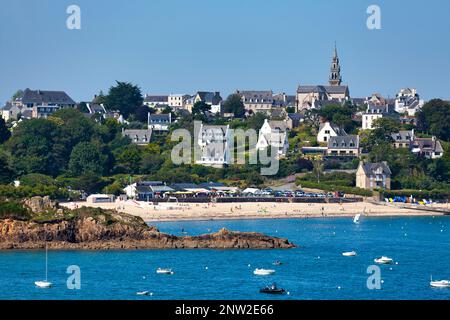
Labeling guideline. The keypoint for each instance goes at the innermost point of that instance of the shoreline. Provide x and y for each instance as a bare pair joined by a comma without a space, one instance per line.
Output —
173,212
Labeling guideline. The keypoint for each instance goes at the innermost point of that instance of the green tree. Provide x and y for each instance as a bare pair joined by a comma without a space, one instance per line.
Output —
341,115
233,104
4,132
85,159
141,113
82,107
73,128
200,108
6,173
128,161
124,97
36,179
17,94
434,118
32,147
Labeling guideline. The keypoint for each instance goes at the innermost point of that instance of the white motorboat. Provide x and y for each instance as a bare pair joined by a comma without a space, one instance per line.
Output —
349,254
263,272
44,284
143,293
440,284
164,271
384,260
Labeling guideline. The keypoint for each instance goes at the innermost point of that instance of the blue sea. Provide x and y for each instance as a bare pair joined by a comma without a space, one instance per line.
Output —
316,269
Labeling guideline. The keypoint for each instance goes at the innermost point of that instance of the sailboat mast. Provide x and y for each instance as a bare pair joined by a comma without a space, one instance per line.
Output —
46,262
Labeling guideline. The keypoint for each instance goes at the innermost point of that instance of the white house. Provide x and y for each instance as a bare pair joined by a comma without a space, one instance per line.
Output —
215,144
373,112
10,112
429,148
257,101
408,101
159,122
327,130
177,101
274,133
213,99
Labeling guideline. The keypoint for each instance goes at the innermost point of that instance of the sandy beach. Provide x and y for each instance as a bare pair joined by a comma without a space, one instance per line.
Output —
230,211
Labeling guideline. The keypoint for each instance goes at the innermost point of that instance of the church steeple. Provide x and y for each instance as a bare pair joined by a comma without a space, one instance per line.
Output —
335,74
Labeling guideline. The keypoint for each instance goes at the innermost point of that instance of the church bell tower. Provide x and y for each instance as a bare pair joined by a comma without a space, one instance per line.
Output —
335,74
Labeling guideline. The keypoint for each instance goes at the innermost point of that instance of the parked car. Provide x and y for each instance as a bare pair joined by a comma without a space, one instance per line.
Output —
299,193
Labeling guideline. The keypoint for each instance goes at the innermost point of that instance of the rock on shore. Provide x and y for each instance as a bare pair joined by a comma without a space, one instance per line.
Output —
96,229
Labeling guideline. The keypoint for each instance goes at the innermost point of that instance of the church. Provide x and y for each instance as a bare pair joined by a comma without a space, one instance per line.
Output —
316,95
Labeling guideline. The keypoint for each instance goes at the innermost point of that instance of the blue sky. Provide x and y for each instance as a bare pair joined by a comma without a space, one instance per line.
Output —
180,46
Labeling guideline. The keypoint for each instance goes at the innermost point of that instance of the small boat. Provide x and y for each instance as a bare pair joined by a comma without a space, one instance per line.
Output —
273,289
44,284
384,260
263,272
440,284
357,218
143,293
164,271
277,263
349,254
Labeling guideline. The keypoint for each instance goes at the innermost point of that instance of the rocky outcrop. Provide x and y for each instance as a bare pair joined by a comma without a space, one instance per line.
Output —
103,230
40,204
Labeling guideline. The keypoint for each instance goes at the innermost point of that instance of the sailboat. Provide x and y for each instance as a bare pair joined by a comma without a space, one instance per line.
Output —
358,216
46,283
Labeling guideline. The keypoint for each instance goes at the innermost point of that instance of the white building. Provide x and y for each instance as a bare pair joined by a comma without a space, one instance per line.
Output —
177,101
156,101
159,122
274,134
429,148
215,143
213,99
408,101
10,112
373,112
257,101
328,130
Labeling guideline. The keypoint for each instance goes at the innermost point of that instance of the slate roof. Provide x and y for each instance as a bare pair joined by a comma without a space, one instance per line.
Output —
371,168
160,118
339,131
428,144
343,142
262,96
27,114
8,106
278,125
215,132
403,136
184,186
212,98
323,89
141,134
156,99
47,97
376,109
